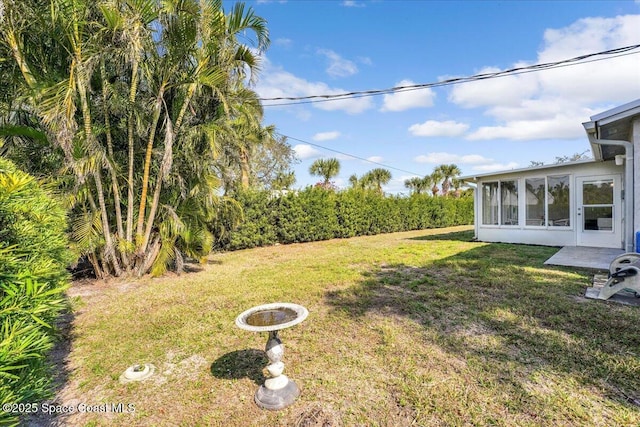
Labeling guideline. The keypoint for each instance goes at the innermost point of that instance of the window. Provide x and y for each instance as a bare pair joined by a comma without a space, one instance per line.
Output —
535,201
500,203
509,202
597,205
548,201
558,201
490,203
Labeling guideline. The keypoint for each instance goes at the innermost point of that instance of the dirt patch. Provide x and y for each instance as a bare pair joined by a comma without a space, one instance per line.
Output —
316,415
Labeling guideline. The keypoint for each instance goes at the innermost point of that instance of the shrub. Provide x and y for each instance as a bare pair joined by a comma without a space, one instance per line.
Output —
33,277
306,216
258,228
317,213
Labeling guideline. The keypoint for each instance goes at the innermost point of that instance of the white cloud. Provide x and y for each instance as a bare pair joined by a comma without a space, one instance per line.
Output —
338,66
612,80
343,157
508,90
477,162
441,158
551,104
284,42
306,151
559,127
377,159
404,100
276,83
551,118
326,136
432,128
352,3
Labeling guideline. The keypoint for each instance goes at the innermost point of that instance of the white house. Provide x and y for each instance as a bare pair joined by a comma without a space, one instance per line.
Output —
586,203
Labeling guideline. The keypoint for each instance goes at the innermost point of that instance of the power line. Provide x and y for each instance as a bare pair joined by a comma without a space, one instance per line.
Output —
578,60
350,155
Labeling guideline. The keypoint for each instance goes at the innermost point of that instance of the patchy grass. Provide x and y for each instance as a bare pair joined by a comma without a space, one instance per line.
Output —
418,328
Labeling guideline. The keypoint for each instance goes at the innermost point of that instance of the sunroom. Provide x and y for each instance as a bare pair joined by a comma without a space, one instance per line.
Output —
588,203
568,204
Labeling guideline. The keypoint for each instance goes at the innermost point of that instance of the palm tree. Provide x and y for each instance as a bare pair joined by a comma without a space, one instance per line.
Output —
354,181
247,130
283,181
417,184
376,178
457,185
448,172
435,177
325,168
120,81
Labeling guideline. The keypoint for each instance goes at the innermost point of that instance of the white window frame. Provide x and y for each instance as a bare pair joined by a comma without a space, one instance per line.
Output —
545,225
499,194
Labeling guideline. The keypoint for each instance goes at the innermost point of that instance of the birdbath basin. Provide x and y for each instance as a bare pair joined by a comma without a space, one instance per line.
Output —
278,391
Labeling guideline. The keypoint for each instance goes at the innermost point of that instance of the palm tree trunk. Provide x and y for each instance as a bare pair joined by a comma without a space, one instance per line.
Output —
147,163
446,185
86,116
109,247
114,178
148,260
130,141
244,169
19,57
167,160
165,167
187,101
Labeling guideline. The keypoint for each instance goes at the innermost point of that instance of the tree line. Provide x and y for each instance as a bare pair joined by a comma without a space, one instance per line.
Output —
442,180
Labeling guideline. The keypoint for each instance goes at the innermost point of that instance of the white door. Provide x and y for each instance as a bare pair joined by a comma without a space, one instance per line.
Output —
599,211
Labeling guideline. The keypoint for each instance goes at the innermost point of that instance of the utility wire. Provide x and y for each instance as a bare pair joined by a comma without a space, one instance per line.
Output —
583,59
351,155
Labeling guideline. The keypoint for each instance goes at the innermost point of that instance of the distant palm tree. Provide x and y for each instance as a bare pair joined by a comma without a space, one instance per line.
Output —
456,184
354,181
448,172
325,168
417,184
428,182
376,178
435,177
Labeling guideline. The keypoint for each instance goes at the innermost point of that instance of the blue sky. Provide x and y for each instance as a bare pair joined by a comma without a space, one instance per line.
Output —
328,47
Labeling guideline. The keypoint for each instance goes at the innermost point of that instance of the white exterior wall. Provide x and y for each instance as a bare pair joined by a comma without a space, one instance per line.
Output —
548,236
635,138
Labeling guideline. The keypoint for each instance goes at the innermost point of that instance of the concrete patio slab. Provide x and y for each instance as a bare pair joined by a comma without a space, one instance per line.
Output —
580,256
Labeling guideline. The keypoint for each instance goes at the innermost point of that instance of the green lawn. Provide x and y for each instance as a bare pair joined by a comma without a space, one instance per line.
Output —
420,328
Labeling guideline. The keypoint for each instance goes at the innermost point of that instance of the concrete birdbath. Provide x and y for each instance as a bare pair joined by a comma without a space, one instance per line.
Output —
278,391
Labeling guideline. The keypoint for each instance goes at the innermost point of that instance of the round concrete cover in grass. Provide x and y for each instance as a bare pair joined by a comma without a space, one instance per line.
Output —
137,372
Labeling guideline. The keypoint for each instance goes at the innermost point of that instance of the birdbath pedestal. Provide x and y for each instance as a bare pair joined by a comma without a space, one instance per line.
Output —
278,391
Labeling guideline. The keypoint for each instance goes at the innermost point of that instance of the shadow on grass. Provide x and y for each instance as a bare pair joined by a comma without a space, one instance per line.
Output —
462,236
505,293
57,360
241,364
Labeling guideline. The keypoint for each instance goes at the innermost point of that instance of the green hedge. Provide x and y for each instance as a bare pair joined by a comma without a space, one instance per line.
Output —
33,277
318,214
